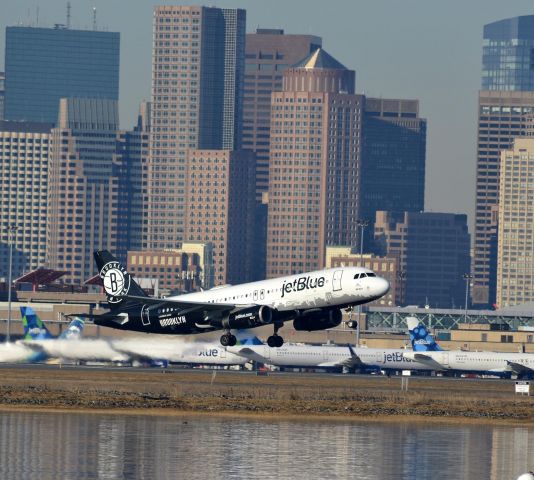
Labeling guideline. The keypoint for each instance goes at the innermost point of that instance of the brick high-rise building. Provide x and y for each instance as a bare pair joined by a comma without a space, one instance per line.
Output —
314,164
24,157
503,116
197,79
515,266
220,194
269,52
505,104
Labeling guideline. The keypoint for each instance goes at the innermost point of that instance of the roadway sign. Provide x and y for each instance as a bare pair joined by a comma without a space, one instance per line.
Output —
522,387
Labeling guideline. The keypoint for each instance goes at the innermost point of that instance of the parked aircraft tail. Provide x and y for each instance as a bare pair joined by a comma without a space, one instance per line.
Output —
421,339
116,280
74,330
245,337
34,328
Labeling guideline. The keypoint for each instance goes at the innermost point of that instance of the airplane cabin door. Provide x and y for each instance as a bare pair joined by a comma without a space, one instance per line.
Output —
144,316
336,280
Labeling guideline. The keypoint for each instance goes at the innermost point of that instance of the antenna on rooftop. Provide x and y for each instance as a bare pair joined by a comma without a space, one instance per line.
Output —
68,15
94,18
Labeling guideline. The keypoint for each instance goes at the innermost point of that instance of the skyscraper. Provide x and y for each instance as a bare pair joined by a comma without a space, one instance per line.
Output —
269,52
83,188
502,117
314,164
433,254
197,78
504,108
508,55
24,157
515,267
2,93
45,64
129,161
393,158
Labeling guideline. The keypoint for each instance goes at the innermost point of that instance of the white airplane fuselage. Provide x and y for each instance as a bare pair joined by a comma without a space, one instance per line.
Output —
329,356
477,362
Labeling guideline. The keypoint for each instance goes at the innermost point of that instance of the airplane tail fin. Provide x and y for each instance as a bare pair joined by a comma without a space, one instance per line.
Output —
74,330
116,280
34,328
245,337
421,339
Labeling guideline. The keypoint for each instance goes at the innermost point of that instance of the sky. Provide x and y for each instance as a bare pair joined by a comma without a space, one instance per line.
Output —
424,49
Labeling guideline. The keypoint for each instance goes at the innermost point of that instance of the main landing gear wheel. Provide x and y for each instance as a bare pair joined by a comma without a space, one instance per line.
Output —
228,340
275,341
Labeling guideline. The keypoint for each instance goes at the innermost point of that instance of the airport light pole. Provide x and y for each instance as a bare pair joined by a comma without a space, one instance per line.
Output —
11,231
362,224
467,277
402,277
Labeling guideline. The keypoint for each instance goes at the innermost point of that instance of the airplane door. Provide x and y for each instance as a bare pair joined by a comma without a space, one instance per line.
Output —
222,352
144,316
336,280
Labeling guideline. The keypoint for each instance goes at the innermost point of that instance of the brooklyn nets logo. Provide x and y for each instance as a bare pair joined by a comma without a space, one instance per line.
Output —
116,281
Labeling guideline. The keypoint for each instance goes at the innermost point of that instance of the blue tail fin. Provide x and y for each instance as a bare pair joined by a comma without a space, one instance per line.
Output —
421,340
34,328
245,337
74,330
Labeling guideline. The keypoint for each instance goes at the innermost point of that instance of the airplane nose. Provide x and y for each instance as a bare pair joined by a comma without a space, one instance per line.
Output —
383,286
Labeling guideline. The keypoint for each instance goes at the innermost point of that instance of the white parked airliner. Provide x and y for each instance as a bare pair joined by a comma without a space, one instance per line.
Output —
493,363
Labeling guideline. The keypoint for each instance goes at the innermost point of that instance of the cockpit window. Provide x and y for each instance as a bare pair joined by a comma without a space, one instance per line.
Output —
371,274
356,276
363,275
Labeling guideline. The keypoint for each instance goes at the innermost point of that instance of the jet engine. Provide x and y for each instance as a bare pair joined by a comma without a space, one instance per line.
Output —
312,320
250,317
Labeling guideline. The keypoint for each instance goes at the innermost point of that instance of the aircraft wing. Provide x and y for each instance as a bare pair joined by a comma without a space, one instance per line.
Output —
186,306
353,361
250,354
421,356
519,368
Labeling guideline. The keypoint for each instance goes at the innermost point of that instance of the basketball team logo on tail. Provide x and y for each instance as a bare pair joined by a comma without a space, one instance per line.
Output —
116,280
421,340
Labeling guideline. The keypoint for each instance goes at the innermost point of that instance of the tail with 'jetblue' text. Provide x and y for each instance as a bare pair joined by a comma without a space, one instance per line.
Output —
420,338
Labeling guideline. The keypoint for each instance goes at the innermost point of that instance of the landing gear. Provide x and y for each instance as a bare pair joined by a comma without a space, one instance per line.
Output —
275,340
228,340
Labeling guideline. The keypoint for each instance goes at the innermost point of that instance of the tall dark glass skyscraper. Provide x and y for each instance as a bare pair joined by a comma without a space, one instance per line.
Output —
508,54
45,64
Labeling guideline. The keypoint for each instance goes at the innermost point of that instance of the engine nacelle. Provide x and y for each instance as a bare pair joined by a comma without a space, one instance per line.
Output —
249,317
313,320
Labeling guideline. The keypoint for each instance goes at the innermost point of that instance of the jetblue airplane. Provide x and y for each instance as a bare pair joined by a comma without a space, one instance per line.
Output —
492,363
335,357
35,330
173,350
312,300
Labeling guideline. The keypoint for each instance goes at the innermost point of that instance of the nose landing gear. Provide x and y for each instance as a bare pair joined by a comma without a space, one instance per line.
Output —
275,340
228,340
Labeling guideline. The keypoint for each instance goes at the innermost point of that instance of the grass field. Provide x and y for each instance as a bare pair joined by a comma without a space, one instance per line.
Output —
227,392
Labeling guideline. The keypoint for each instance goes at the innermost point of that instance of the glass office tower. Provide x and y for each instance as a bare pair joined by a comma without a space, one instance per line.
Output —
43,65
508,54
